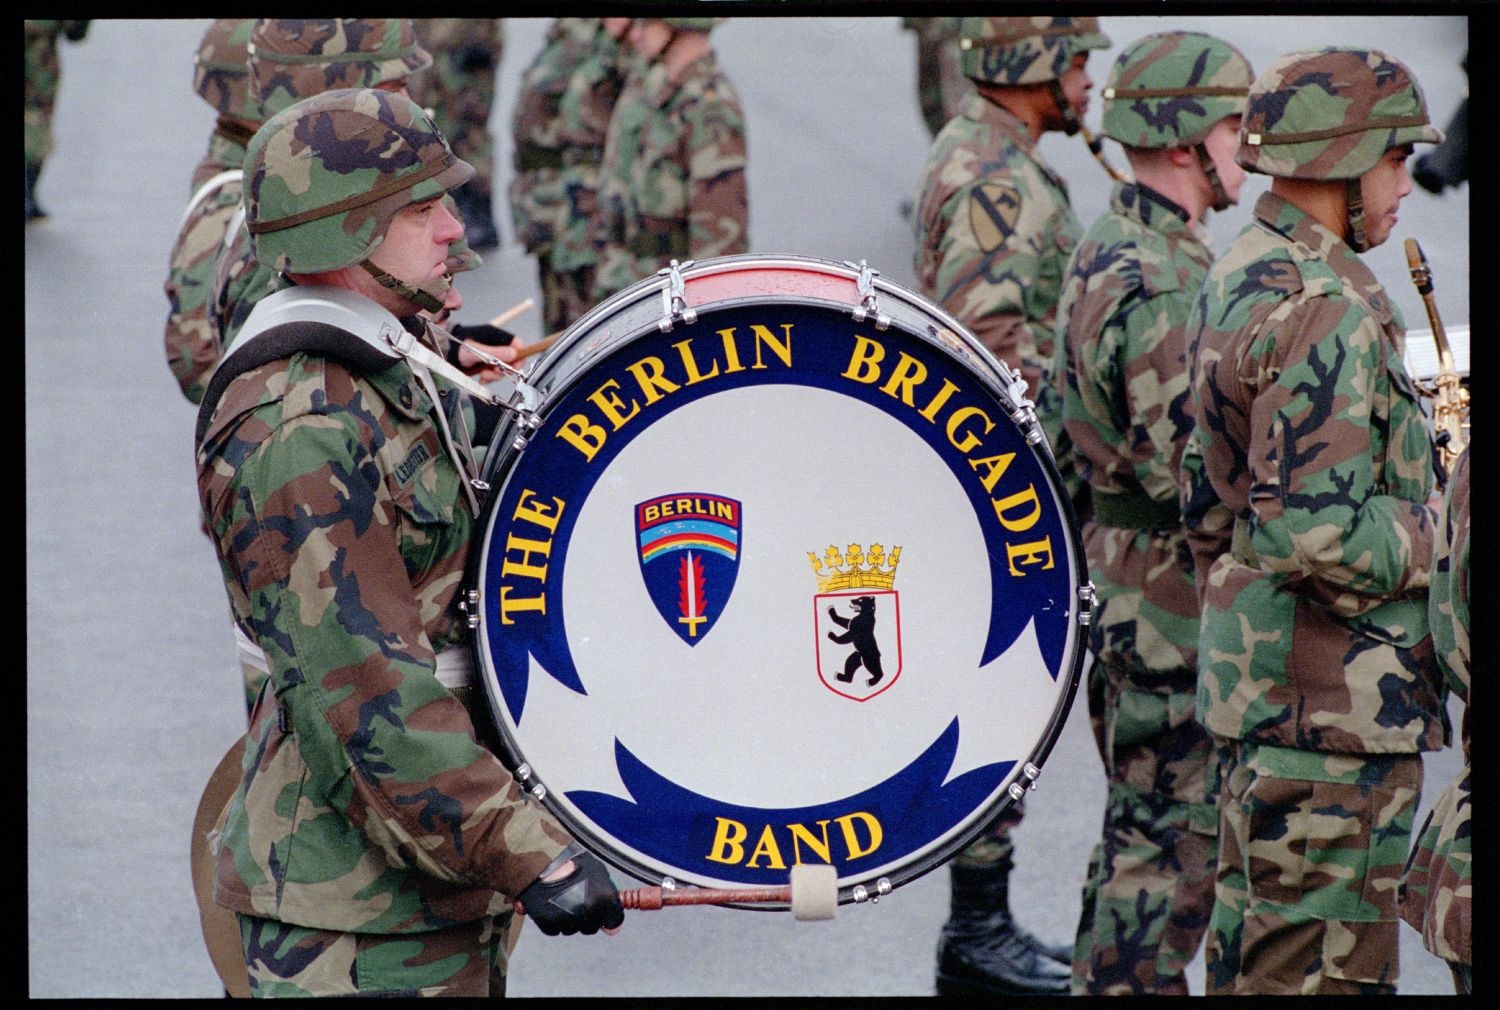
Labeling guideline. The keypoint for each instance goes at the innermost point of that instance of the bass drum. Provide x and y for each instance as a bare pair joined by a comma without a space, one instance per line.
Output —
784,574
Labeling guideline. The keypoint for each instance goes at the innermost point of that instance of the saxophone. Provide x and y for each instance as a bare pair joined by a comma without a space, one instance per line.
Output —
1450,400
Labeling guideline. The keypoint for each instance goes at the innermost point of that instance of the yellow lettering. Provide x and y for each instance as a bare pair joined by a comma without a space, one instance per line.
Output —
525,567
727,847
970,440
685,349
612,406
1019,498
582,435
851,837
943,394
767,847
800,834
1029,554
724,510
907,375
685,506
537,513
652,513
764,337
731,352
994,468
508,605
649,376
864,364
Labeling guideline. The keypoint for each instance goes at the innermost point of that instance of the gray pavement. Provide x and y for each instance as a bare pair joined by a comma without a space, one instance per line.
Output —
132,684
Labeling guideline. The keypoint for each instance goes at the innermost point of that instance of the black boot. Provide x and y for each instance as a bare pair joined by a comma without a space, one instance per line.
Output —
478,215
982,951
33,211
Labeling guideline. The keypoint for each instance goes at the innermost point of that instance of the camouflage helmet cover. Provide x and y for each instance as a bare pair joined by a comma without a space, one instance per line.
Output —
694,24
1169,89
1331,114
293,58
220,75
324,178
1024,50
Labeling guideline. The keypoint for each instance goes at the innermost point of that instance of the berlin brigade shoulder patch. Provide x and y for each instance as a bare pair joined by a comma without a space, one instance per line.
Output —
994,208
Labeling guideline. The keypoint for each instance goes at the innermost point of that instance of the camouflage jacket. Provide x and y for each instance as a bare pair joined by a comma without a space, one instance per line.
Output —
1437,895
1306,480
192,343
673,179
562,113
1122,358
226,150
367,804
239,281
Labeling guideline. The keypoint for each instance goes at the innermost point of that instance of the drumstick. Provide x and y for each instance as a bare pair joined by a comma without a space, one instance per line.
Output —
536,347
512,312
813,894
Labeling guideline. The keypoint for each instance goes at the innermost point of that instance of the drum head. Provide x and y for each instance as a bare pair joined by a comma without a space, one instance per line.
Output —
221,927
777,585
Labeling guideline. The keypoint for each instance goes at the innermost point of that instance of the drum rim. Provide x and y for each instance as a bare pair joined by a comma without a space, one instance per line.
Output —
501,460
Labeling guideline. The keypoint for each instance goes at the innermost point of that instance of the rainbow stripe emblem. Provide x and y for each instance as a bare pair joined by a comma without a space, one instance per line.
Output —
689,549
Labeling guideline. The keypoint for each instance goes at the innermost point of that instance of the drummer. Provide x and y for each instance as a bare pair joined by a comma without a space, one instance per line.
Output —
373,847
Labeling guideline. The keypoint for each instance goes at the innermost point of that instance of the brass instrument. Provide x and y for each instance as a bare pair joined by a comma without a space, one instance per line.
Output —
1096,148
1450,400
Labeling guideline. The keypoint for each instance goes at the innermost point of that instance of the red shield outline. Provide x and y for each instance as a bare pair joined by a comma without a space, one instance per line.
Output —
887,633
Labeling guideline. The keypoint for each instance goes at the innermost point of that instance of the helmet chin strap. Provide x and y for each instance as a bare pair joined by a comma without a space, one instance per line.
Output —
423,298
1071,123
1206,161
1356,201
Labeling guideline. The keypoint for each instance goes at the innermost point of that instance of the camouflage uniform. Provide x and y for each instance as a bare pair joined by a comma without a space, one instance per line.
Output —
292,59
994,230
941,86
373,844
672,184
1121,351
563,111
1305,486
1437,896
42,71
459,90
221,78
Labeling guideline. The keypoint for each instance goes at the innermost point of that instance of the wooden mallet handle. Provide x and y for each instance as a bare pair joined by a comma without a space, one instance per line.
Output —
651,898
512,312
524,351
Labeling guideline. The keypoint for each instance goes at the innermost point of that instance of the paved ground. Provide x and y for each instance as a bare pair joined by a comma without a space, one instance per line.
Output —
132,688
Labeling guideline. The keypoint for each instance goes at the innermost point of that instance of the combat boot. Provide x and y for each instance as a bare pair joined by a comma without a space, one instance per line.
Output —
982,952
33,210
478,215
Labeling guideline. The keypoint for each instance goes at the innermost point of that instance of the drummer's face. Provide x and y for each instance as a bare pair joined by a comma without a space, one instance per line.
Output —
415,249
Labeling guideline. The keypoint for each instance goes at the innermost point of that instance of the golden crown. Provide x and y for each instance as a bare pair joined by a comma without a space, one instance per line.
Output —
836,571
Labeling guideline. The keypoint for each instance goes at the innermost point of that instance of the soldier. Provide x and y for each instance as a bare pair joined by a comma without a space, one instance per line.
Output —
220,76
673,179
942,89
567,96
459,90
1437,894
993,233
1173,101
339,496
291,59
42,72
1306,486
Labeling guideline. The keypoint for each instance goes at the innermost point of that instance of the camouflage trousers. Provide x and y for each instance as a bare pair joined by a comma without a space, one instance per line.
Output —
1149,889
565,294
995,844
1311,848
465,960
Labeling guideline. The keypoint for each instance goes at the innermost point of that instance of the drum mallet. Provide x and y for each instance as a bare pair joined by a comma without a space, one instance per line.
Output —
813,894
511,313
536,347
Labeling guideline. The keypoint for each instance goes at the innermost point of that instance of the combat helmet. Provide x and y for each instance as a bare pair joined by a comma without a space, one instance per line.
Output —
694,24
1332,114
294,58
325,177
220,75
1035,50
1170,89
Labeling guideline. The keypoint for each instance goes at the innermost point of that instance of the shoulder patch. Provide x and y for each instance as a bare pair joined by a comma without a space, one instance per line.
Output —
994,208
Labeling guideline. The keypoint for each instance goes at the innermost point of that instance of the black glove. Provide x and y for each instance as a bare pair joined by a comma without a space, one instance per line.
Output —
481,334
582,902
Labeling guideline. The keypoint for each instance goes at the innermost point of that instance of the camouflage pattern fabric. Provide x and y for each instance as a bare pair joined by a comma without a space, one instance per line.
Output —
673,178
459,88
295,58
1170,89
994,230
192,342
1025,50
1129,288
42,68
221,77
942,87
465,960
562,114
1311,847
367,804
1437,893
1305,481
239,281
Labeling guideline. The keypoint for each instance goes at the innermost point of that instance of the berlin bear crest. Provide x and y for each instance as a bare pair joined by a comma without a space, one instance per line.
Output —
860,634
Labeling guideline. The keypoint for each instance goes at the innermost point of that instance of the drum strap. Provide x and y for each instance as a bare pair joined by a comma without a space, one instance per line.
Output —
207,190
455,664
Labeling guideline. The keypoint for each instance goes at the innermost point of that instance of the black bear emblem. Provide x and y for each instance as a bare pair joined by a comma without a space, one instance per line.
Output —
861,634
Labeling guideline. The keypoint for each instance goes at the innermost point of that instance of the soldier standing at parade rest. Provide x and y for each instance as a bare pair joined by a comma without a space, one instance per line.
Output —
459,90
338,490
1173,101
1437,891
221,78
43,69
672,185
993,233
562,114
942,87
1307,497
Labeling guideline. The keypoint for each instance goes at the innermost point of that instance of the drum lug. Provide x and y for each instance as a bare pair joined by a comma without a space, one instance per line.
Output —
861,893
869,305
469,604
523,400
674,306
1086,600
